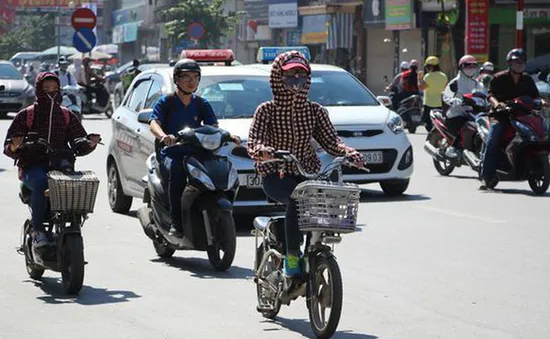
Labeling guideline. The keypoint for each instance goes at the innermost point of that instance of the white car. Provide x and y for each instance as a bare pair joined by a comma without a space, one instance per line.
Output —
234,93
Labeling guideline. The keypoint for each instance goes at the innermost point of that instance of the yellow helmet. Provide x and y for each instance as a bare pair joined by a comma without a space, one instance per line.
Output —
432,61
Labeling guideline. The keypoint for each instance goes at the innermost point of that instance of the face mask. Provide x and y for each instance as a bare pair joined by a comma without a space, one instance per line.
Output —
518,68
294,83
469,72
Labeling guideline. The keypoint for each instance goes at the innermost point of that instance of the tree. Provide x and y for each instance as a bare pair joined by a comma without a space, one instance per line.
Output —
209,13
36,35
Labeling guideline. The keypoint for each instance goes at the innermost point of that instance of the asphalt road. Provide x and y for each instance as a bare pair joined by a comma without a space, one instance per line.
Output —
445,261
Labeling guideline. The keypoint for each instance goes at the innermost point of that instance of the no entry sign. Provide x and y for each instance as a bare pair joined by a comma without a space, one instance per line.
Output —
83,18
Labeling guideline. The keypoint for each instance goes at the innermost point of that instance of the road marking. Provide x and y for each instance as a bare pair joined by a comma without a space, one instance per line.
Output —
461,215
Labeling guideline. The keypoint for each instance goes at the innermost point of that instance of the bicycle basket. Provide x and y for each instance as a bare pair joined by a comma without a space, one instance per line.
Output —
73,191
325,206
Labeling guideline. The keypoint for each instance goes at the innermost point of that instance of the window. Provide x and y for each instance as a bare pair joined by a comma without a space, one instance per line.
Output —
138,96
339,89
9,72
155,92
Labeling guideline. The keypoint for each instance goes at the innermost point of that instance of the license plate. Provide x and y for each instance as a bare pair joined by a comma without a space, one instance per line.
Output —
250,180
373,157
416,118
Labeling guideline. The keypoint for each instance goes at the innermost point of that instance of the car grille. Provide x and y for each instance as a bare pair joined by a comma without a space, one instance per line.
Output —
390,155
241,152
10,107
357,134
4,94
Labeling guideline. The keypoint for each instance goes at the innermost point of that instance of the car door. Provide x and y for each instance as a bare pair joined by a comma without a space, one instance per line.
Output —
128,134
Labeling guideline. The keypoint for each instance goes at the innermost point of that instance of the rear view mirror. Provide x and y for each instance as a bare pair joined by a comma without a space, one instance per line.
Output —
145,115
384,100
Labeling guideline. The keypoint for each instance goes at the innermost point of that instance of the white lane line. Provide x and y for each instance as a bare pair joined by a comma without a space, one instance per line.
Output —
460,215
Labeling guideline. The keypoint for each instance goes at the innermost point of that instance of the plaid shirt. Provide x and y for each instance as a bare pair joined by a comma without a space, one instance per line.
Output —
289,122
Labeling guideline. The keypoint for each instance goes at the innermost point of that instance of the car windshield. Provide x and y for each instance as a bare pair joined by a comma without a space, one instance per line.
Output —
9,72
330,88
235,96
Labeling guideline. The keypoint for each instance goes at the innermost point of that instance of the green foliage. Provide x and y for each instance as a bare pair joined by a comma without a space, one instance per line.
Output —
209,13
37,35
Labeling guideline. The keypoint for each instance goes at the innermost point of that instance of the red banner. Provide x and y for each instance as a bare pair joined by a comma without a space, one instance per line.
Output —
477,29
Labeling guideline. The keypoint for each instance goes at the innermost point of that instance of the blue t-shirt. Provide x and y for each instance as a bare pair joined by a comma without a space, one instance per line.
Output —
182,116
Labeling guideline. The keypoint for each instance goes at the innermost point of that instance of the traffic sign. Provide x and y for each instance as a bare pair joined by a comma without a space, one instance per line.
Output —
83,18
196,31
84,40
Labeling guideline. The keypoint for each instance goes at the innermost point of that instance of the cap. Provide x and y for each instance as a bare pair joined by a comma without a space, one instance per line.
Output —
295,62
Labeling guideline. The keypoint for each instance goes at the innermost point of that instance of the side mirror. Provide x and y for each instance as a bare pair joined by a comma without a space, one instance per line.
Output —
2,87
384,100
145,115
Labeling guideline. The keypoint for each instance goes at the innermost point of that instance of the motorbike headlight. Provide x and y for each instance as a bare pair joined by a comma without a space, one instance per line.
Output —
395,123
233,178
201,176
210,141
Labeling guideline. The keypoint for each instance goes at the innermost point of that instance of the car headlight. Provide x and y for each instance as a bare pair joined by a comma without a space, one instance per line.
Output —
201,176
233,178
210,141
395,123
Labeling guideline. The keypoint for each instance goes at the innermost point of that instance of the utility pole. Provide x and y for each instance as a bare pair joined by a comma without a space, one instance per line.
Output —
58,28
519,24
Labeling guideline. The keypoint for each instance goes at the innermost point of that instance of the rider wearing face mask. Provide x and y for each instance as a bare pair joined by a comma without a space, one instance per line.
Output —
465,82
506,85
49,123
289,122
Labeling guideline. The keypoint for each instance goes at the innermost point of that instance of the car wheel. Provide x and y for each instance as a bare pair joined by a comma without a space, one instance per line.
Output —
119,202
394,188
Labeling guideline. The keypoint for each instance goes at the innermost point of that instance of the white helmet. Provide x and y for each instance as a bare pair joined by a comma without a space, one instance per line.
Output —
405,65
488,66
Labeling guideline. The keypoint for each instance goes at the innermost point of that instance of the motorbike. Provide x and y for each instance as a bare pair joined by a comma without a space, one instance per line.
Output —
72,100
525,147
440,138
410,110
71,197
207,201
326,209
99,101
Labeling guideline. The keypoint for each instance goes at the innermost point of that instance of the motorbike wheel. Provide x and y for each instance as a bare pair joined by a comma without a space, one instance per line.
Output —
72,274
264,293
540,180
33,271
163,250
225,240
411,128
119,202
442,167
325,292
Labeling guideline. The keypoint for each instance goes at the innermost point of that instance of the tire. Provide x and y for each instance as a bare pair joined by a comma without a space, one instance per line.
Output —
269,268
443,168
394,188
540,180
225,239
163,250
34,272
412,129
72,272
119,202
334,291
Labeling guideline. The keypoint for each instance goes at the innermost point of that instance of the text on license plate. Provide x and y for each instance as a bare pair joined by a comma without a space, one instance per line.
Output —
250,180
373,157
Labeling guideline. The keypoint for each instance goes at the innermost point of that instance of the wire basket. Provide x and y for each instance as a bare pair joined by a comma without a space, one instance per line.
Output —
72,192
325,206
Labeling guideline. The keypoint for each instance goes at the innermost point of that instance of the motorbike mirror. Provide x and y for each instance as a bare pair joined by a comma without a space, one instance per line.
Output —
384,100
145,115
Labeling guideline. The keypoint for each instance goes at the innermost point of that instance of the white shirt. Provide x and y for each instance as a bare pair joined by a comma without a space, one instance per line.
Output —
66,78
464,85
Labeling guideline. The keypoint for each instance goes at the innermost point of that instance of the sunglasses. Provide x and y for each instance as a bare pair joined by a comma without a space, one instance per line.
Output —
295,73
470,65
188,77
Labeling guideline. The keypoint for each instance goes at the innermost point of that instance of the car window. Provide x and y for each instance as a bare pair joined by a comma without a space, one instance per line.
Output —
155,92
9,72
138,96
330,88
235,96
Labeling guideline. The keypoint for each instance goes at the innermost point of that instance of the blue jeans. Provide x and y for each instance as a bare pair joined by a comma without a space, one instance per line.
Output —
36,180
491,156
174,172
280,191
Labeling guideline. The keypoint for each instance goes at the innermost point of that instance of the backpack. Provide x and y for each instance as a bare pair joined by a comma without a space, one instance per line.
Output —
30,116
171,100
408,83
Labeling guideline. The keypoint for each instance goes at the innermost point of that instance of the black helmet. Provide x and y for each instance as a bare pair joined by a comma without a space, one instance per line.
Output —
516,54
186,65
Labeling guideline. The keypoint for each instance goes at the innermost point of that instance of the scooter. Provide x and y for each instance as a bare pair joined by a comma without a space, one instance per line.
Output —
99,101
410,110
207,201
72,99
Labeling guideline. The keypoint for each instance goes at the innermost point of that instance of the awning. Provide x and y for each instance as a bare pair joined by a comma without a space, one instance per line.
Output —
340,31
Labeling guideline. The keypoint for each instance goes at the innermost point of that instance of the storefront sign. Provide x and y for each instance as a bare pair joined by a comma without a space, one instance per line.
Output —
507,16
256,9
374,12
314,29
398,15
477,29
284,15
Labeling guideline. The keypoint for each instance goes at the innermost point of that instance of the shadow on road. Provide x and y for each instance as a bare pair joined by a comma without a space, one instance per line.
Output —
88,296
470,177
377,196
201,268
516,191
303,327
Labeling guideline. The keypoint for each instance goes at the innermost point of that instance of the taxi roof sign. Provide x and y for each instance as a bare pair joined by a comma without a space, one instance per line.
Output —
268,54
209,55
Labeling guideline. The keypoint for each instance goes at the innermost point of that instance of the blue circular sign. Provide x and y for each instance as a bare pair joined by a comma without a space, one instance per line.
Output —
84,40
196,31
